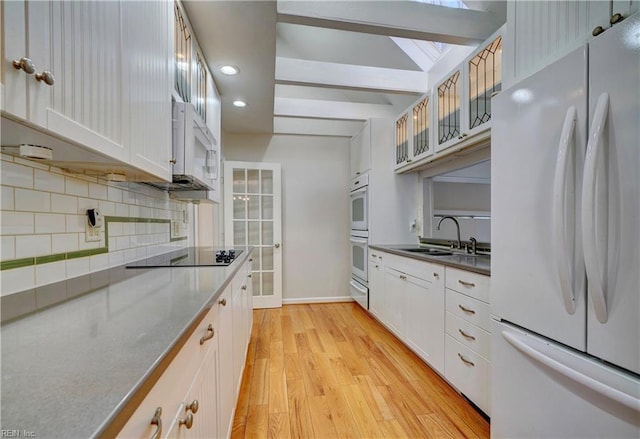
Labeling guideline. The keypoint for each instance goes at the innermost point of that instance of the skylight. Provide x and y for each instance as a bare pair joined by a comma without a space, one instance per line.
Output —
459,4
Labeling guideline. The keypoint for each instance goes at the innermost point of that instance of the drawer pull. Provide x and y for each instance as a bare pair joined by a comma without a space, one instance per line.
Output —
193,406
249,276
466,284
222,302
157,421
436,275
470,311
465,361
187,422
465,335
377,266
375,256
243,288
208,336
402,277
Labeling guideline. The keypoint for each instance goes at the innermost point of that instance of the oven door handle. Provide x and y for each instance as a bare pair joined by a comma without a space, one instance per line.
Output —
358,241
356,193
360,288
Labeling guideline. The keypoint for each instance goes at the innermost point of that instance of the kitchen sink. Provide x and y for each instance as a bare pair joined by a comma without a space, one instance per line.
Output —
428,251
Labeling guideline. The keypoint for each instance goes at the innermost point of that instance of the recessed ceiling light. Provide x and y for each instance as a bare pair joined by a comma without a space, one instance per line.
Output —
239,103
229,70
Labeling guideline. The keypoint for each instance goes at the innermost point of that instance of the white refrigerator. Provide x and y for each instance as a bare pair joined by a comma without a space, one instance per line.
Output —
565,274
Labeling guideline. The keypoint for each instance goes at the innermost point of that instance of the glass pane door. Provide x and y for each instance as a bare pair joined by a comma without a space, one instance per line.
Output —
252,201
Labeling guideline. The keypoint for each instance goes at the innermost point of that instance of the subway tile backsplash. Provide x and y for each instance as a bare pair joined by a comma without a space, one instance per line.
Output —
43,221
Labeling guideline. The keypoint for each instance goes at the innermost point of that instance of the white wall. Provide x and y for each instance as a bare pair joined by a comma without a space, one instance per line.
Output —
315,204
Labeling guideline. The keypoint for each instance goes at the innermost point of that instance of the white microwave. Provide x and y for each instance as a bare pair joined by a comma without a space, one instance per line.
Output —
195,151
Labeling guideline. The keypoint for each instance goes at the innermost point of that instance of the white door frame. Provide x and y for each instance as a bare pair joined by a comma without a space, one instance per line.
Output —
259,301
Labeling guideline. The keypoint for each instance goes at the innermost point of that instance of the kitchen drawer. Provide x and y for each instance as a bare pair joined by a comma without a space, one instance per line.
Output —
469,335
376,256
169,391
468,372
469,309
420,269
465,282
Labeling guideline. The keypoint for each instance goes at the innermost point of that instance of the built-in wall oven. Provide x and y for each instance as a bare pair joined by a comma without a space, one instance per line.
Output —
359,203
359,241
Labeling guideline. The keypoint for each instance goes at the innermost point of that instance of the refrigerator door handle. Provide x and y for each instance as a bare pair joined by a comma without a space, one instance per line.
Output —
580,378
559,192
589,235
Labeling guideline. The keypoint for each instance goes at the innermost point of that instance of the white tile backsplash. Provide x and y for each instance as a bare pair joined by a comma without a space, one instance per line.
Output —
76,223
48,181
50,223
16,175
78,267
17,279
50,273
28,246
64,203
16,223
114,194
7,201
8,247
75,186
99,262
43,212
27,200
65,242
97,191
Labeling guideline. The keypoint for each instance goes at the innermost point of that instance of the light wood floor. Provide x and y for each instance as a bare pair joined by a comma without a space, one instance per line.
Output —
332,371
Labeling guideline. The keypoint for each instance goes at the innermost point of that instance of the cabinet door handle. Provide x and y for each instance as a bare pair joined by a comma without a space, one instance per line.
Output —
187,422
157,421
616,18
222,302
465,335
465,361
249,276
466,284
244,288
193,406
470,311
597,31
25,64
207,336
46,76
436,275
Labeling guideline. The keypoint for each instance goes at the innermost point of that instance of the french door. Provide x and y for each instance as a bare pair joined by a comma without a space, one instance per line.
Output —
253,218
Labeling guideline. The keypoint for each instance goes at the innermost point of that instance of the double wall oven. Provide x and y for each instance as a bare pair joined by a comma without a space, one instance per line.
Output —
359,240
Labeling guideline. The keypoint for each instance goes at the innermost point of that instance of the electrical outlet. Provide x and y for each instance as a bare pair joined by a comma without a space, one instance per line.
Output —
92,234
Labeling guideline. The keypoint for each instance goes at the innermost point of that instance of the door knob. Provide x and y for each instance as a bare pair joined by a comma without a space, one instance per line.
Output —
276,245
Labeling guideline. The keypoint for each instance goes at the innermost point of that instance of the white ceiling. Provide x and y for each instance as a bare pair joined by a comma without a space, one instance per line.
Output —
322,67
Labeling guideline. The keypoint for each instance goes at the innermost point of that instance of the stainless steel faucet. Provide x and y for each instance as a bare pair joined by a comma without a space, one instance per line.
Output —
457,227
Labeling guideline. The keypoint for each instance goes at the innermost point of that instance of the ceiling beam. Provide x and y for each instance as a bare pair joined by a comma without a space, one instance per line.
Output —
316,127
305,72
407,19
313,108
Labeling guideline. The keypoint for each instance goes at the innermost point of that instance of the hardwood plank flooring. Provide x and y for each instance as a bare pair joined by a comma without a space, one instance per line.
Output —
332,371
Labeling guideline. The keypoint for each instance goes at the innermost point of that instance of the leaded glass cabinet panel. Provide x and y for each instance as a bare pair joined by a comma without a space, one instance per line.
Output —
421,114
449,102
402,139
485,80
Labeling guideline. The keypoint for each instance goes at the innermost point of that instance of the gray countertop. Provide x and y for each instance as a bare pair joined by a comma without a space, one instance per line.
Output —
477,264
68,370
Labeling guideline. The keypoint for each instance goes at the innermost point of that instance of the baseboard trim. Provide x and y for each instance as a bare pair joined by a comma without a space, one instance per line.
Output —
301,300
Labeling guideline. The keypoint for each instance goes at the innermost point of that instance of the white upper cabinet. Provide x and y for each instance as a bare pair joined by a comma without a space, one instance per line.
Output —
361,151
146,61
27,33
541,32
90,73
455,113
463,106
413,134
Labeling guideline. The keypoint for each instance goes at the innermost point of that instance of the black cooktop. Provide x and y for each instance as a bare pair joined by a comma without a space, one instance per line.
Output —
190,257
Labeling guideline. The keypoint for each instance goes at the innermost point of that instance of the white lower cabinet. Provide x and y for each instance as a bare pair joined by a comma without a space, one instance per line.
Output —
196,395
414,306
376,287
468,338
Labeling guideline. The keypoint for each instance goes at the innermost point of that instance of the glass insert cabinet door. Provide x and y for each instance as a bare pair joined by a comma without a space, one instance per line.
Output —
253,219
485,80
